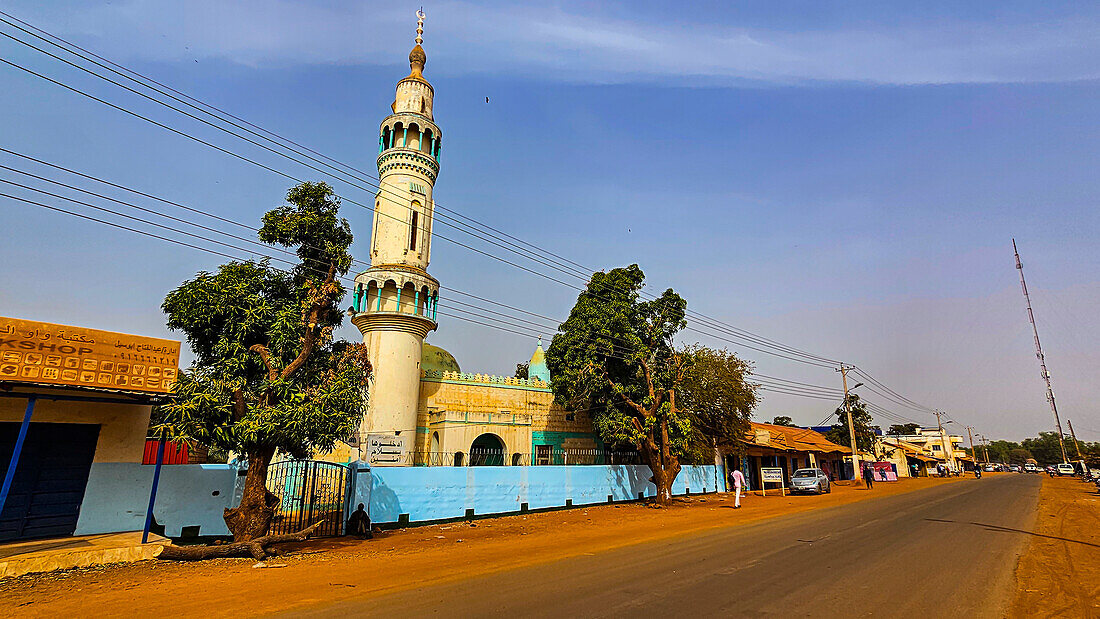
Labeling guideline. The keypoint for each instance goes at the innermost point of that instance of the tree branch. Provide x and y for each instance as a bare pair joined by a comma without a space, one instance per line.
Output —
265,354
311,318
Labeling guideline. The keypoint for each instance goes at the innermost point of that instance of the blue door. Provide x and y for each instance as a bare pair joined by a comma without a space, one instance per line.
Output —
49,482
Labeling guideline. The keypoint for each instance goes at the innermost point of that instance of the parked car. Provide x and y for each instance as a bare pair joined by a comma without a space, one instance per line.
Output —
810,480
1031,467
1065,469
1015,468
988,468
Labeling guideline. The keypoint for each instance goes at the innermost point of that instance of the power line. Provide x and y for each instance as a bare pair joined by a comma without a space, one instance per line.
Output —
712,323
794,353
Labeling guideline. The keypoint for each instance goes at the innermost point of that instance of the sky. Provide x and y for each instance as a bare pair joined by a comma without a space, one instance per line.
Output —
842,177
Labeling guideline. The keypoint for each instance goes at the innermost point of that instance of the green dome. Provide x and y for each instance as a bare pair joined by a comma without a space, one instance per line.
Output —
435,358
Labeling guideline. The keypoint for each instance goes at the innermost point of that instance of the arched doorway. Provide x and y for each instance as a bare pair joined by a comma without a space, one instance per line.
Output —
487,450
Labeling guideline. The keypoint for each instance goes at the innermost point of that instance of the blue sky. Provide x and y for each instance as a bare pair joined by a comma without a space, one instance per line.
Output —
845,178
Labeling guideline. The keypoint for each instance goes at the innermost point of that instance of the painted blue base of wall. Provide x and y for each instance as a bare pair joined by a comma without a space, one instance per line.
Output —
196,495
190,495
443,493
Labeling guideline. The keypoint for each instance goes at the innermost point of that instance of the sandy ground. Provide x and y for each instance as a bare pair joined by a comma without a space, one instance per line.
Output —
338,568
1059,573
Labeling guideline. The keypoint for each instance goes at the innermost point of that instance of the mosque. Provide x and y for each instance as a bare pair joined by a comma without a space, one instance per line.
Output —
422,408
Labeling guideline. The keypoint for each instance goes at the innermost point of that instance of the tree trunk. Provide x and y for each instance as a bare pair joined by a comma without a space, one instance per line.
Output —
257,548
664,470
252,518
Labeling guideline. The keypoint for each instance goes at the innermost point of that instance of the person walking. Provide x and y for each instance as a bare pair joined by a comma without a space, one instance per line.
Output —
738,479
868,476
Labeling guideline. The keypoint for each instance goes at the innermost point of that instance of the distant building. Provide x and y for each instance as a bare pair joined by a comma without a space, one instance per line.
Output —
945,447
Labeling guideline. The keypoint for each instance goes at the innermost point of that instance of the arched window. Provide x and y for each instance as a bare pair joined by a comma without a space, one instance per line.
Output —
412,229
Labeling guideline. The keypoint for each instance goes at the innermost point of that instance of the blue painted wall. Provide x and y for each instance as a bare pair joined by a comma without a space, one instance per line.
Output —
195,495
117,496
439,493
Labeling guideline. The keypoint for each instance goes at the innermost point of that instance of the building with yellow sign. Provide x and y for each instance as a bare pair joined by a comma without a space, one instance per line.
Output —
72,400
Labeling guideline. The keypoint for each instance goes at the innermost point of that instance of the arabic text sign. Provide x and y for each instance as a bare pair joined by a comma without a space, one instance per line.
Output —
770,476
386,449
40,352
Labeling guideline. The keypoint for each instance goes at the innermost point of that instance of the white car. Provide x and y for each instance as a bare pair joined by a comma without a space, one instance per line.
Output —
810,480
1064,469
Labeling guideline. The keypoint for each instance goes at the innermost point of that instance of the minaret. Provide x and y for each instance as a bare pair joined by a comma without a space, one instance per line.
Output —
394,300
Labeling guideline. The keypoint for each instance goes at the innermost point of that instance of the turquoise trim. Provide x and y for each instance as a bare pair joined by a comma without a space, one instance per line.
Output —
428,379
557,438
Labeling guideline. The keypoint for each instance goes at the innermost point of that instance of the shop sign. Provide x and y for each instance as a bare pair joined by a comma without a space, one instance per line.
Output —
45,353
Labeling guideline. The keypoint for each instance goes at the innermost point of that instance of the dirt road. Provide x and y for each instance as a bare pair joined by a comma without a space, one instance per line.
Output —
398,560
1059,574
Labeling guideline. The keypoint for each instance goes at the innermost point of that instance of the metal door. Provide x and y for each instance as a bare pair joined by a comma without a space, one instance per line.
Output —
309,491
50,479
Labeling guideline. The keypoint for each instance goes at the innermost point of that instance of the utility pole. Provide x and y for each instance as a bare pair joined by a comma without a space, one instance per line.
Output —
1076,445
851,428
1039,353
943,437
973,454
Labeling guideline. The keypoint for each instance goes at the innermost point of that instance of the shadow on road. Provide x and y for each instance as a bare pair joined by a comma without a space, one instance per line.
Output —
994,527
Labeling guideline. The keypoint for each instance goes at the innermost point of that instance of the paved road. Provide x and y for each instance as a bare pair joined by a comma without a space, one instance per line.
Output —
947,551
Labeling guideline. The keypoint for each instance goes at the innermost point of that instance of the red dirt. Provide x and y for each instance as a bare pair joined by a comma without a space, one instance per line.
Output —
333,569
1059,574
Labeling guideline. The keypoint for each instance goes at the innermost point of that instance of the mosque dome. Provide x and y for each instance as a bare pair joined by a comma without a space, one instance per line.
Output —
536,368
437,359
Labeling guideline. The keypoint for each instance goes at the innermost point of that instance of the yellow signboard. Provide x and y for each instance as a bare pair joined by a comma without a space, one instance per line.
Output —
39,352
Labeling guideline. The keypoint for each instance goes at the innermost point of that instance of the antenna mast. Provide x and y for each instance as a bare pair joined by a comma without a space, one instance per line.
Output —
1039,353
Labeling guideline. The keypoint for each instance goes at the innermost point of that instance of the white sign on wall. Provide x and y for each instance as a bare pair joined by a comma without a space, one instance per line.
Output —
387,449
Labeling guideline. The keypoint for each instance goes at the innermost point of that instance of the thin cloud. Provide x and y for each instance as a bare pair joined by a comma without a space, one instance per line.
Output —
464,38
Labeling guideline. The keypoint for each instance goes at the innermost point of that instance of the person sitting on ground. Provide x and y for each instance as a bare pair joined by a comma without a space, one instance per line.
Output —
359,524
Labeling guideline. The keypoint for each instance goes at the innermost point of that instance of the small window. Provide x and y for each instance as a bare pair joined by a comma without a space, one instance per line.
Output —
412,232
570,417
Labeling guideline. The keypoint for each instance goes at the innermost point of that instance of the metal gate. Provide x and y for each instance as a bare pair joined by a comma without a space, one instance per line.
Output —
308,491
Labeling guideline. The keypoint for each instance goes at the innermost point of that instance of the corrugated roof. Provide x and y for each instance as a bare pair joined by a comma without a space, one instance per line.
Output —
786,438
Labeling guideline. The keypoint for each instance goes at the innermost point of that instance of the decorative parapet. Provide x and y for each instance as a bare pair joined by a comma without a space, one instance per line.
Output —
497,419
466,378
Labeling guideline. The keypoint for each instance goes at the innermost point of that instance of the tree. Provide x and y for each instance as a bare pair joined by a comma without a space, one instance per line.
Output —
522,370
783,420
614,356
903,429
1045,448
999,450
1018,456
717,400
267,376
861,420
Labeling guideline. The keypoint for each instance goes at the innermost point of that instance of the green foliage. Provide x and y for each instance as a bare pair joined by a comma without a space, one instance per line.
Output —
999,450
861,420
267,375
903,429
783,420
1045,448
311,224
614,356
717,400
